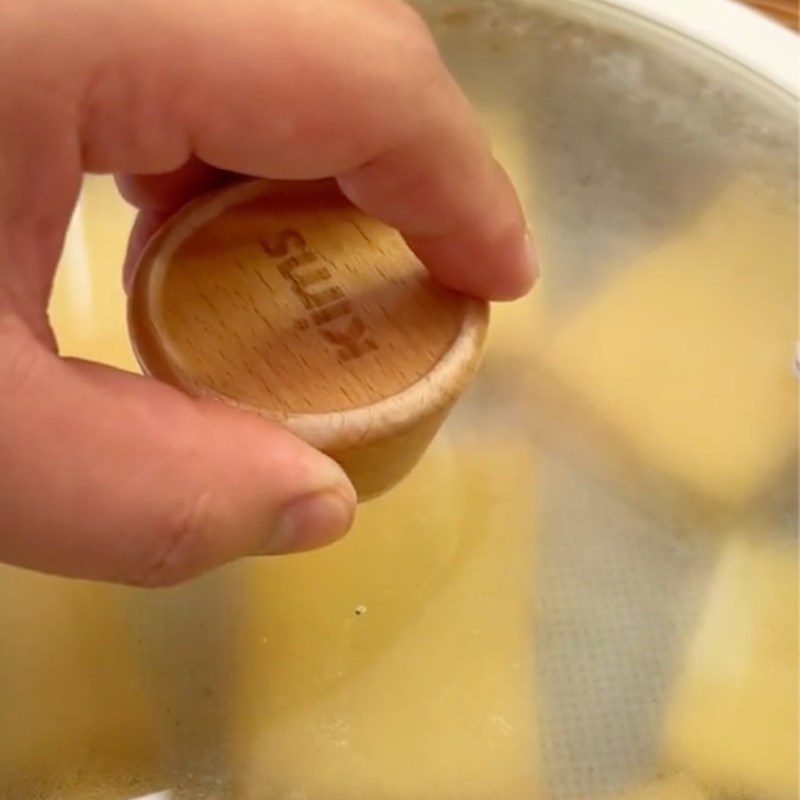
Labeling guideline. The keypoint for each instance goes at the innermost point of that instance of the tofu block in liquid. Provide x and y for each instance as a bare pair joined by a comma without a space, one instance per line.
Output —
398,664
733,720
88,305
687,354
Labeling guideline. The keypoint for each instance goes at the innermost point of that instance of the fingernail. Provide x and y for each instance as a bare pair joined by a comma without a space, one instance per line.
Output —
310,522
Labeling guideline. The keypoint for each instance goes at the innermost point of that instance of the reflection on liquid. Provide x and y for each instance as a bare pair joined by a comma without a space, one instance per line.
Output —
401,662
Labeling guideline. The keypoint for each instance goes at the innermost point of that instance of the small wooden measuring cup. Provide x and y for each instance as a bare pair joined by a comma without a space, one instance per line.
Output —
285,300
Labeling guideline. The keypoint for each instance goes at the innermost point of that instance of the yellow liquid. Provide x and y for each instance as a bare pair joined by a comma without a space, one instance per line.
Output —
674,787
73,718
398,664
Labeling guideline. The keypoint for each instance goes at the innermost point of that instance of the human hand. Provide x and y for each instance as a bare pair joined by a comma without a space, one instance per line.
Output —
113,476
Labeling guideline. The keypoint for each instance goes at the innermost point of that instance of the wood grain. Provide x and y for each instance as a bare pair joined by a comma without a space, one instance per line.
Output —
285,300
782,11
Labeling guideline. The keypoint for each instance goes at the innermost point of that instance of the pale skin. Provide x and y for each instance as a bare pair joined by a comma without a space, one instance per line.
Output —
116,477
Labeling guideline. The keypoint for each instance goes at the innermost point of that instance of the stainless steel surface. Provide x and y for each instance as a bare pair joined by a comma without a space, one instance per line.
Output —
637,153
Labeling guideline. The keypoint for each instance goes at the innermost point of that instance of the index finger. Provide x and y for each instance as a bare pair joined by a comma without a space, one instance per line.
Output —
298,89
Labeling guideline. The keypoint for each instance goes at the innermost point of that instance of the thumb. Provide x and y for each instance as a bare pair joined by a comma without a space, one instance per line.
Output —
111,476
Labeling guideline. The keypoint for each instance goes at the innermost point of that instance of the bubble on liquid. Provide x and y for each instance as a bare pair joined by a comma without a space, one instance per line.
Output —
338,733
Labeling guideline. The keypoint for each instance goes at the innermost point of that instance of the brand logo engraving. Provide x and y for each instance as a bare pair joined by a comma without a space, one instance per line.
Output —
329,310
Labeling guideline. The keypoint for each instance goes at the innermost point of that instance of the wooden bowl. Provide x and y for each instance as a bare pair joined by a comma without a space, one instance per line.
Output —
287,301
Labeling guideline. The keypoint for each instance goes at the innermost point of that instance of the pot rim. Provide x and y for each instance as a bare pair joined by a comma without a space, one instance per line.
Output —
733,30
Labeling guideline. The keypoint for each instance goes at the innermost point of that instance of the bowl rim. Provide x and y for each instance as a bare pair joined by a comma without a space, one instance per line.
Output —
732,29
425,398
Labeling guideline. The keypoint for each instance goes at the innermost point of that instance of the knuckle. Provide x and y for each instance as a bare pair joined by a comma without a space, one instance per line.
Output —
410,36
183,532
429,85
411,20
20,363
418,39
